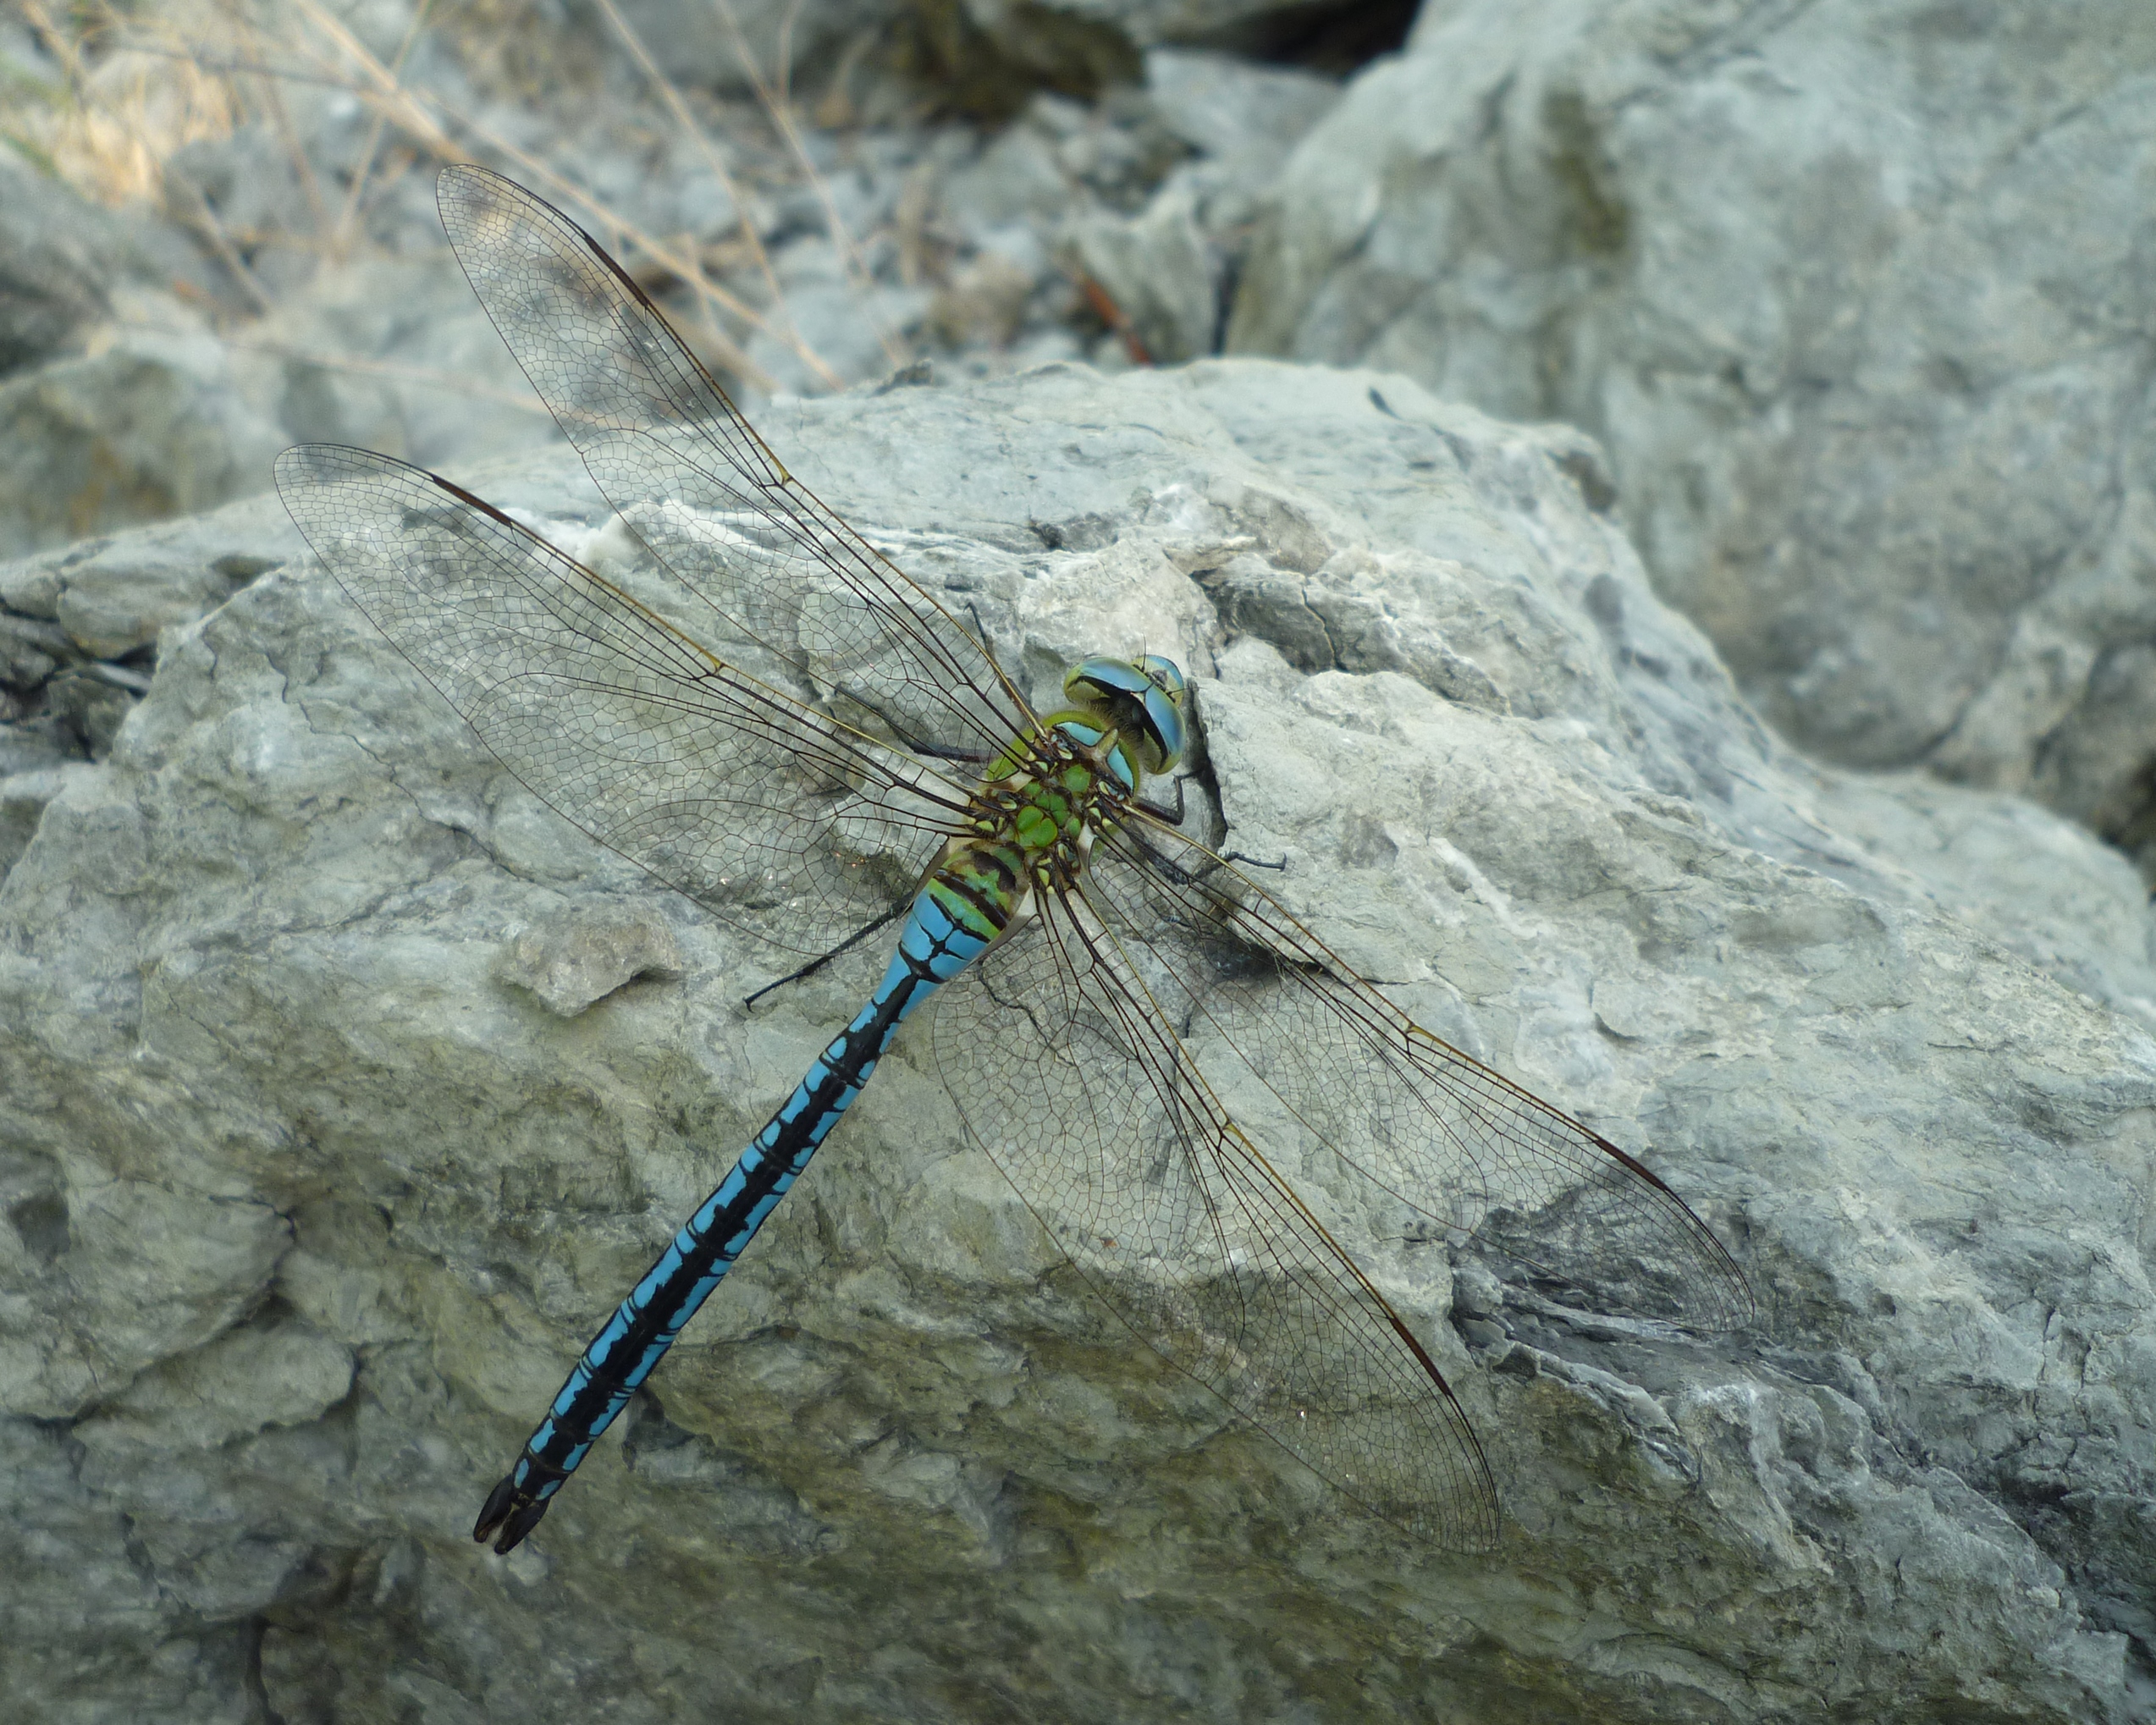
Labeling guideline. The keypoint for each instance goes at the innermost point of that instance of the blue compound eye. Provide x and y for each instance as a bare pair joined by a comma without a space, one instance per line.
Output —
1166,674
1152,685
1118,676
1164,714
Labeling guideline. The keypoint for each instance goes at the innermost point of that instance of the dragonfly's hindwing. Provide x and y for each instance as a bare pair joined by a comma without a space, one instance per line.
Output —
1083,1094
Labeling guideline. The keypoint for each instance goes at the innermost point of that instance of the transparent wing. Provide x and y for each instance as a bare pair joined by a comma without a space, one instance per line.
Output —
699,487
1370,1094
1069,1076
1092,1052
784,823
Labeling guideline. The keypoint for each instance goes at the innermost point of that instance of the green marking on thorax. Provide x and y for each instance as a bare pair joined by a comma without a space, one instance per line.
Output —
1033,805
1020,828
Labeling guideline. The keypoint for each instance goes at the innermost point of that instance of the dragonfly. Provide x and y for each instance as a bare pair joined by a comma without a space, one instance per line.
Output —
779,723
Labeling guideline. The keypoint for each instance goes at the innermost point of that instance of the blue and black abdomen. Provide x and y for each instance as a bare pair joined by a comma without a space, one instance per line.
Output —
934,947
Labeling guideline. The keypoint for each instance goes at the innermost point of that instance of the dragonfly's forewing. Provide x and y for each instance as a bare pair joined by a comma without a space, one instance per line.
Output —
785,824
1463,1146
685,471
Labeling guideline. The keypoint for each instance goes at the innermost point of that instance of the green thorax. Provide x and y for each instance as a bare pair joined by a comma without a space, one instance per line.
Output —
1040,802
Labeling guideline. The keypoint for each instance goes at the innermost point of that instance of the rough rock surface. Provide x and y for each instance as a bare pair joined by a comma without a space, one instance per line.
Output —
60,258
312,1196
147,427
161,356
1858,297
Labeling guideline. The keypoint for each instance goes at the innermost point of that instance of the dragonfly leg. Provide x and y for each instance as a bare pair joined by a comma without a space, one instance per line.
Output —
907,741
816,964
1170,870
1173,817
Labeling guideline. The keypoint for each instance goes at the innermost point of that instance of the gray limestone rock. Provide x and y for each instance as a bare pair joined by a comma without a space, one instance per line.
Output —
149,424
1247,117
1244,121
571,962
1858,296
771,41
1150,200
1149,23
77,626
1156,269
312,1198
61,257
107,598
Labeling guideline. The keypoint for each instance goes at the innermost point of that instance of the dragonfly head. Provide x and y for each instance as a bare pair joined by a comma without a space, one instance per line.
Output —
1145,701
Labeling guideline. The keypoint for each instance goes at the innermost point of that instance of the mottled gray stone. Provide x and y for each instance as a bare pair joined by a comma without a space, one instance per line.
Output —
1145,23
60,257
1859,297
311,1207
25,791
1156,269
571,962
751,42
105,597
30,648
67,614
1248,117
149,425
